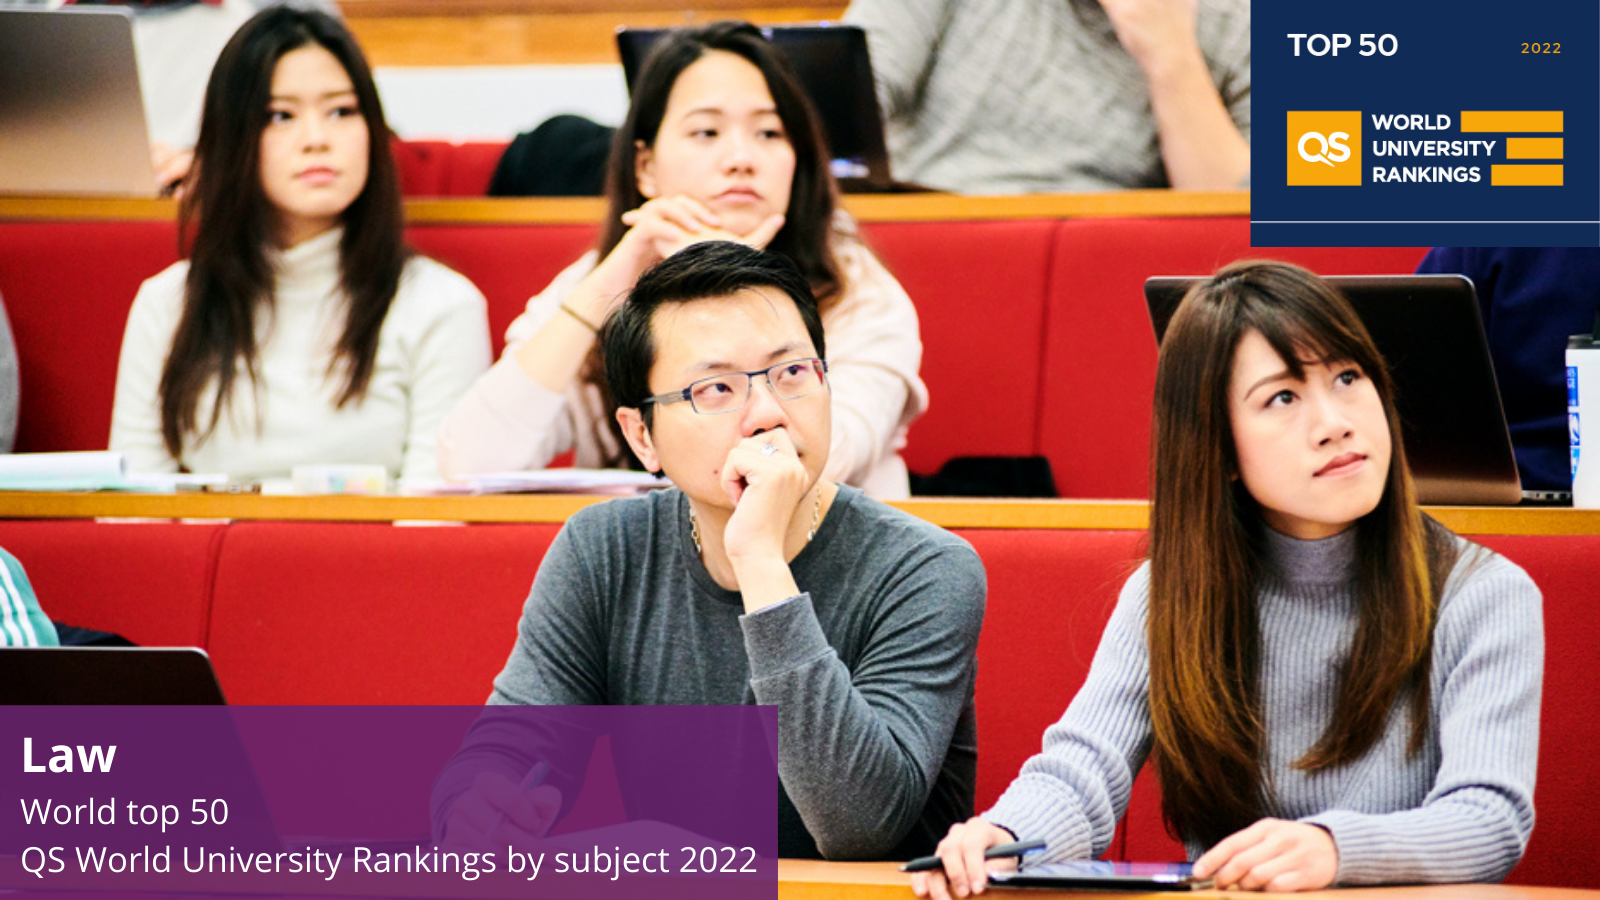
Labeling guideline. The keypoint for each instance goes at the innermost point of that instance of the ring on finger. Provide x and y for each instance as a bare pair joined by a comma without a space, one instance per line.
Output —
768,449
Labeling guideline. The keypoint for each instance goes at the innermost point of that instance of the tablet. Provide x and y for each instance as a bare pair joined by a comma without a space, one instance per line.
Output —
1101,875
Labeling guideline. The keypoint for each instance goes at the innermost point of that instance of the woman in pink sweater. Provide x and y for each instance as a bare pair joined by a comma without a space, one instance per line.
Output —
720,144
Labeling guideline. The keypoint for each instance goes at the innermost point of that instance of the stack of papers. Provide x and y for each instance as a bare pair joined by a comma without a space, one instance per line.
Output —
569,481
96,470
107,470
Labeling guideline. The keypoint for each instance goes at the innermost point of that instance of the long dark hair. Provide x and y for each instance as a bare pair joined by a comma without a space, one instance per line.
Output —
227,222
808,228
1206,535
806,236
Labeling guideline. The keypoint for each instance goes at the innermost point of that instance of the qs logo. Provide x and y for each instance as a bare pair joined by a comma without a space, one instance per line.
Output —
1324,148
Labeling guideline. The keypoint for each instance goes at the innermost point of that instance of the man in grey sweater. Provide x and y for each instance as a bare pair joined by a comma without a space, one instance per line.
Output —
754,580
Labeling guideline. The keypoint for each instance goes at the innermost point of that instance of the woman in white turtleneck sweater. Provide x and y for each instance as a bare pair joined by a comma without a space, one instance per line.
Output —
301,329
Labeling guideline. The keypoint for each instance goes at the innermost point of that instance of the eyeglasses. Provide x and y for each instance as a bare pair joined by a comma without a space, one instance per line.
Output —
728,393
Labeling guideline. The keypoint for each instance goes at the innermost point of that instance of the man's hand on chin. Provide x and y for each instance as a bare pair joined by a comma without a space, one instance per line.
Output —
765,480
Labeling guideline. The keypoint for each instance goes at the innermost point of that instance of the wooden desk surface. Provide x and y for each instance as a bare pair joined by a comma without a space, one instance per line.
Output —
800,879
588,210
945,512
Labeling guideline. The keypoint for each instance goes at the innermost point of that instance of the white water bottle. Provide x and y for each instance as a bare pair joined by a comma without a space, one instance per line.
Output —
1583,415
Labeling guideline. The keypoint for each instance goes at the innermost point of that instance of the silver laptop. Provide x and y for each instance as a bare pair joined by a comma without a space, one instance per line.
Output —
71,116
1429,331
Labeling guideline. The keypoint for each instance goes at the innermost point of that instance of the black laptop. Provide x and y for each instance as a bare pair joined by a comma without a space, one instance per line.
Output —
108,676
1428,329
833,66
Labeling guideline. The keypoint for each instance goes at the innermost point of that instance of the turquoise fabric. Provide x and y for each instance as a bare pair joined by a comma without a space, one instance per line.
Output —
22,622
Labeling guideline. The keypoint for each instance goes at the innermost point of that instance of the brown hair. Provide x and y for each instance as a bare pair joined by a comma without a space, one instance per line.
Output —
227,220
1206,535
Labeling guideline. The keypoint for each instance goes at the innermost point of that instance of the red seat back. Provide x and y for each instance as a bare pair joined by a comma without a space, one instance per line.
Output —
1561,851
147,581
509,263
1100,349
67,288
979,292
369,613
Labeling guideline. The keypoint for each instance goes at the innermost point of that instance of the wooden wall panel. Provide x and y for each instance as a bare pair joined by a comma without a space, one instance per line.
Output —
525,32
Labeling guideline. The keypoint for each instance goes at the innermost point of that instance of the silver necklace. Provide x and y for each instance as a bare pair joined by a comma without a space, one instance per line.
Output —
816,522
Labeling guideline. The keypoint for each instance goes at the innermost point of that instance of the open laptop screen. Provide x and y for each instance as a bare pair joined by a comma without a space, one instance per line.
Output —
1428,329
70,107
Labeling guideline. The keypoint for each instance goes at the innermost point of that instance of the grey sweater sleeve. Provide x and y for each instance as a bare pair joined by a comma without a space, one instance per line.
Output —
555,662
1073,792
557,658
1488,665
862,749
1223,30
903,38
10,384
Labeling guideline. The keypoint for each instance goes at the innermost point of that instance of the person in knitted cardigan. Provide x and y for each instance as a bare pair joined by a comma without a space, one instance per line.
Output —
1334,689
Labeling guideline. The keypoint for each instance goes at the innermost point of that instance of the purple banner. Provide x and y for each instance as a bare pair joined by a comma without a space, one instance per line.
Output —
428,802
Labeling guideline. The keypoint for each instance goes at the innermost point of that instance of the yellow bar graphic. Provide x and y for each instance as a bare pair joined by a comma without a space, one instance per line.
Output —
1511,121
1533,148
1525,176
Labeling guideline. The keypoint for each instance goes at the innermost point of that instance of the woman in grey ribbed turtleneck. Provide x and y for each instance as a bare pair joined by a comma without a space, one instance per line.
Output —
1332,686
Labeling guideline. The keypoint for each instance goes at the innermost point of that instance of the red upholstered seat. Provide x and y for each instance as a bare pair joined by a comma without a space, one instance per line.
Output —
374,613
445,168
1027,348
422,165
472,166
1562,849
369,613
509,263
1050,594
1100,351
148,581
979,292
67,288
88,273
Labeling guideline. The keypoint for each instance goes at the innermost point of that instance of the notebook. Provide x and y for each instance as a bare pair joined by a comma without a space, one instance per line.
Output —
70,106
109,676
832,64
1428,329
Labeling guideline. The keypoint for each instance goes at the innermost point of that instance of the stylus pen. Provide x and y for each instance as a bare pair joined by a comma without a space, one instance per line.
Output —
999,851
533,779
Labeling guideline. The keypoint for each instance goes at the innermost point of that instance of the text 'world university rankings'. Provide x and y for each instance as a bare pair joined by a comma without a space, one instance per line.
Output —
1425,123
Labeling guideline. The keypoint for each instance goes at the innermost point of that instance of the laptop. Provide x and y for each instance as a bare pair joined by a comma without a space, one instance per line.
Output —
70,106
108,676
1103,875
832,64
1428,329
